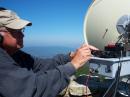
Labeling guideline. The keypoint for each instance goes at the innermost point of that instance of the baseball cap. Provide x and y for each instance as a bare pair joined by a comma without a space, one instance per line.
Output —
11,20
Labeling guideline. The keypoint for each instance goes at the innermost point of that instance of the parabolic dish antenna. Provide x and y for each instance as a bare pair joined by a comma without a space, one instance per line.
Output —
105,21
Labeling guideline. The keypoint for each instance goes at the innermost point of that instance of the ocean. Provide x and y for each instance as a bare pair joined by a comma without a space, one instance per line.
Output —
47,51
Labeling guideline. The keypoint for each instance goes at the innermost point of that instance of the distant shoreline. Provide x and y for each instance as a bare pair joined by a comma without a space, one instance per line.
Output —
47,51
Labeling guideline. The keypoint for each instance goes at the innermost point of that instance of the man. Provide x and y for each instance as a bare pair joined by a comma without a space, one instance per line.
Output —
23,75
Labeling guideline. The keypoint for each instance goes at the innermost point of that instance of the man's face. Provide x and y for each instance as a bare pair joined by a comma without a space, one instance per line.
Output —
13,39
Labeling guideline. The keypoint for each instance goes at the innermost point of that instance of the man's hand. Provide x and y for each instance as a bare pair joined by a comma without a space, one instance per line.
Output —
82,55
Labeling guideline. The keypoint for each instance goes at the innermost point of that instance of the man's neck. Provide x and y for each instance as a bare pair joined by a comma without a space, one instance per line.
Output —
9,51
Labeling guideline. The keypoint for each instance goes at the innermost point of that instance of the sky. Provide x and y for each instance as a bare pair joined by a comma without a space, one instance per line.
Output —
54,22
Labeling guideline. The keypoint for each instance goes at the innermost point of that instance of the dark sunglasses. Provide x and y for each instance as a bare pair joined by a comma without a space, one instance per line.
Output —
15,30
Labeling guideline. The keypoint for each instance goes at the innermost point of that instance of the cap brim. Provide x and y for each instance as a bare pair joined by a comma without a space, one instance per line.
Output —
18,24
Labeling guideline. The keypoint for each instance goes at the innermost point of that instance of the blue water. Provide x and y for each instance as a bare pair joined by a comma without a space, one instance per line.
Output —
47,51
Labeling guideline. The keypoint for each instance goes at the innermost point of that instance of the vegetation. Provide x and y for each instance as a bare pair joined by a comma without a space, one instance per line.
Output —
83,70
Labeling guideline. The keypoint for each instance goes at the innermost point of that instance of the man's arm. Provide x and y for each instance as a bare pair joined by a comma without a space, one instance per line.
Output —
21,82
41,64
